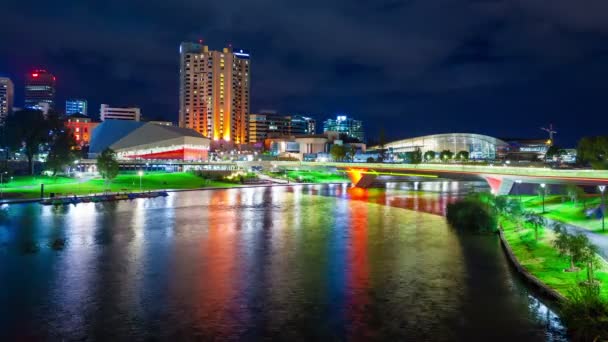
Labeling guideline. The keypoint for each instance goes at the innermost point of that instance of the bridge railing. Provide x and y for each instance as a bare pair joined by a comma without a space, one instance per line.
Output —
481,169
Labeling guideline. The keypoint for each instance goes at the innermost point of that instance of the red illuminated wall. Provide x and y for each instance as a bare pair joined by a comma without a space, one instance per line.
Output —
81,130
182,153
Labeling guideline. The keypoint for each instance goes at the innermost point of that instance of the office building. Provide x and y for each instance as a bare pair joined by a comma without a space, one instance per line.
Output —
119,113
269,123
345,125
214,92
301,125
7,96
76,106
517,149
39,89
81,127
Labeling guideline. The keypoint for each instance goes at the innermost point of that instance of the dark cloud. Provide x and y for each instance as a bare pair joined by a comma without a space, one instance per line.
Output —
413,67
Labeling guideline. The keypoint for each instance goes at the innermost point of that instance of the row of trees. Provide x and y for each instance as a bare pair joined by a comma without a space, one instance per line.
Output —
586,311
417,157
577,247
31,132
342,152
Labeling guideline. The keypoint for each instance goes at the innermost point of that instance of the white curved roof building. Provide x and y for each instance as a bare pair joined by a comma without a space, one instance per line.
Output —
479,146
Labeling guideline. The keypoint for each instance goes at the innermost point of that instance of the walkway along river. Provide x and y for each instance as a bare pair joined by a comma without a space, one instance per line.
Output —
290,263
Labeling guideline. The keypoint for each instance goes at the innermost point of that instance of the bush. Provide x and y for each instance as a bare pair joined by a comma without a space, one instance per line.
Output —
472,215
210,175
586,314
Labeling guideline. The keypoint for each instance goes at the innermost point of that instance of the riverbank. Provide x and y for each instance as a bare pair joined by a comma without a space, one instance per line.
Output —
542,261
559,208
210,185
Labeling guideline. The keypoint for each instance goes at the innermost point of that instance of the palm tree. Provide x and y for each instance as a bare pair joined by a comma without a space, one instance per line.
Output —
536,221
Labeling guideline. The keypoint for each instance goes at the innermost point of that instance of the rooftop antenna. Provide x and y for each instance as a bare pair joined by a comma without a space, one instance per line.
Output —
549,130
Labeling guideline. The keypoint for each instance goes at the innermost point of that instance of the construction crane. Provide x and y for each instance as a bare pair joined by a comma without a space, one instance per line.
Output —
551,131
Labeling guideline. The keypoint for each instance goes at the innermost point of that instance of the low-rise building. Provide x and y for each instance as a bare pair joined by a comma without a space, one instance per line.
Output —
81,127
119,113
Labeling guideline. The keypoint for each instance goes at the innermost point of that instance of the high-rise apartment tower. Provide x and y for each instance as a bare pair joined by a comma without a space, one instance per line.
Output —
214,92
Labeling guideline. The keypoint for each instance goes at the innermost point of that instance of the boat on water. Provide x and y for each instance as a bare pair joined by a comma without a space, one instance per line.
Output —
102,198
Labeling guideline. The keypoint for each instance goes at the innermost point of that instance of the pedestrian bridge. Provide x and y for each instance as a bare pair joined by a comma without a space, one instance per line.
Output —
499,178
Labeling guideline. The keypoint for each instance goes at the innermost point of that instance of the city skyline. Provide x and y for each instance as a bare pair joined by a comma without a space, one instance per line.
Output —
496,69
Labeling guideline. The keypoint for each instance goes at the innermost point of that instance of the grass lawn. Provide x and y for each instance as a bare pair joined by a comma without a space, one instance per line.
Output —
308,176
29,187
544,262
566,211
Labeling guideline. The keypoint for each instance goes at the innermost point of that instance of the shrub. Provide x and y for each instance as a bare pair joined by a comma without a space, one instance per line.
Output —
586,314
472,215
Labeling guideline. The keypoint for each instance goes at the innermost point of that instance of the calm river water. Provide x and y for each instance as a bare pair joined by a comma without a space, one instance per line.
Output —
285,263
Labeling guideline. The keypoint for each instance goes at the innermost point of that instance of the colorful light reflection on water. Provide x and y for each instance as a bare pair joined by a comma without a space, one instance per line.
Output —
291,263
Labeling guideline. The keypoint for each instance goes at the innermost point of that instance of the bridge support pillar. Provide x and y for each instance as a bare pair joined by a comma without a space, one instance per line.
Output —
360,177
499,185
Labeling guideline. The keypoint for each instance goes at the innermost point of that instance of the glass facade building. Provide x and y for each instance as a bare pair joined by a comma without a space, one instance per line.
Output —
76,106
479,146
343,124
264,125
39,89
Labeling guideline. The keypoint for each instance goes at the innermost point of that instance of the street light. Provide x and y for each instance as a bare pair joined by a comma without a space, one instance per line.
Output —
79,176
603,208
140,173
542,193
518,182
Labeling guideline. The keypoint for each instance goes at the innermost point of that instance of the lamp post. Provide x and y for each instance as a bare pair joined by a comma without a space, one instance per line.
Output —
140,173
518,182
2,183
603,207
79,176
542,193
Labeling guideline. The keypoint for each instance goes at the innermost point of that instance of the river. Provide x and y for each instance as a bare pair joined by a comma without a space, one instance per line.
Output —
321,262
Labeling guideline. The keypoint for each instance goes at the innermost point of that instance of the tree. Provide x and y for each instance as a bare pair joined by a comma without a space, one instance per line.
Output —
570,245
107,165
462,155
337,152
516,211
574,192
413,157
61,151
589,258
501,204
416,157
350,152
370,159
446,155
471,214
536,221
26,130
429,155
553,151
593,151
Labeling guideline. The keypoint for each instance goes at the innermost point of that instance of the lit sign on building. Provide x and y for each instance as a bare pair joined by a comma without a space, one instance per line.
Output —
241,53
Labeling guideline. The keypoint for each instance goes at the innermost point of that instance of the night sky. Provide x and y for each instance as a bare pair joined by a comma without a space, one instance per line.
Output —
503,68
